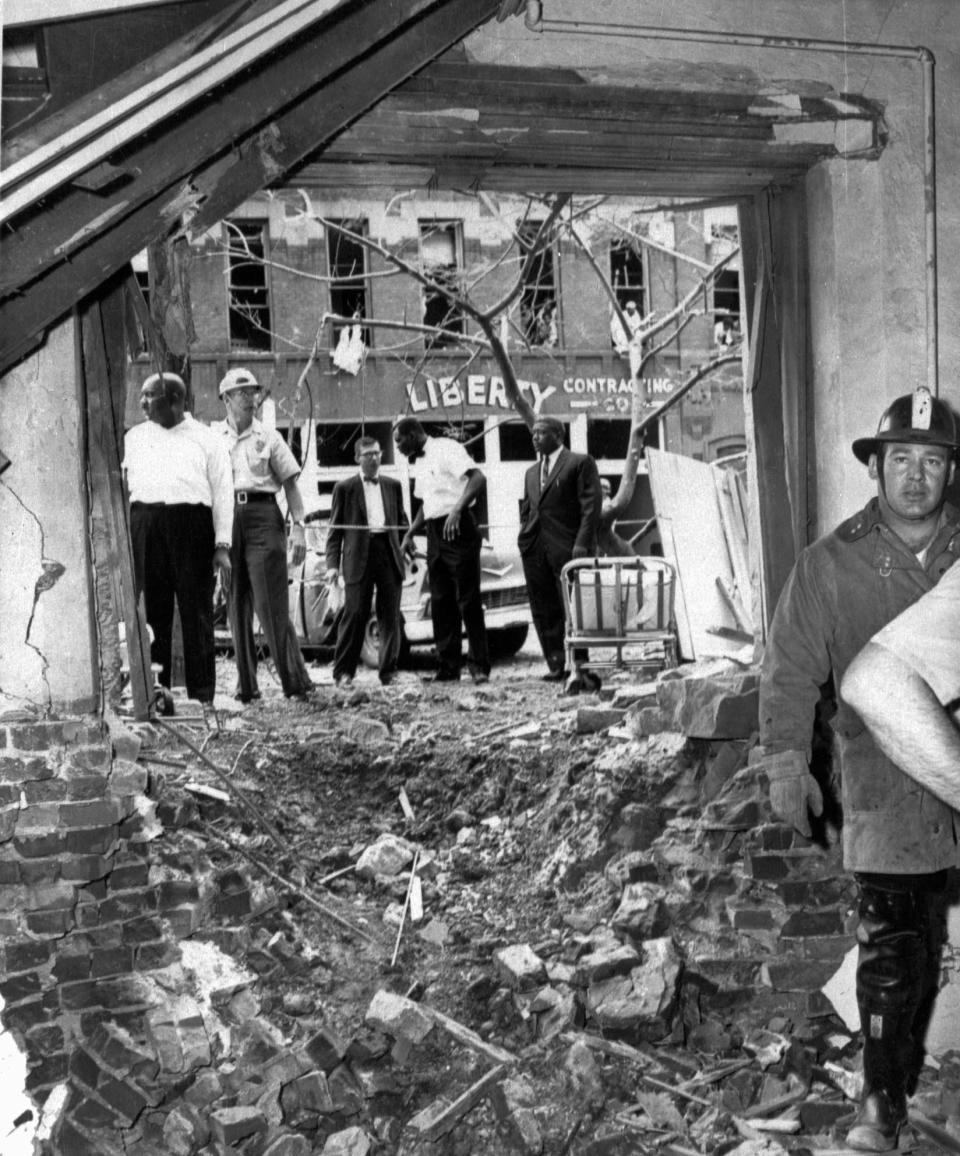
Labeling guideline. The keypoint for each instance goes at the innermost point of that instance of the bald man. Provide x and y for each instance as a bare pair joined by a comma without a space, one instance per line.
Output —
559,519
181,518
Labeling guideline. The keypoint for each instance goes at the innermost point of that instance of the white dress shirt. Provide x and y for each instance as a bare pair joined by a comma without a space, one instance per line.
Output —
187,464
373,496
441,475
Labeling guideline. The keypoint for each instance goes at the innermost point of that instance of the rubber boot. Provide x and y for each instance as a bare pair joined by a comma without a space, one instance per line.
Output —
883,1107
890,969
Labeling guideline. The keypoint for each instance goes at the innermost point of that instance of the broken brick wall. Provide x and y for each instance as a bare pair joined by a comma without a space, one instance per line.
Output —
80,916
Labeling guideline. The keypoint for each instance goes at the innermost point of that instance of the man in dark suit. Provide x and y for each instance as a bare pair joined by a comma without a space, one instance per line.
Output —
366,521
559,518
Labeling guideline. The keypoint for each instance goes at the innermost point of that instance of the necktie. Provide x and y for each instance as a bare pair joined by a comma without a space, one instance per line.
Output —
371,481
544,471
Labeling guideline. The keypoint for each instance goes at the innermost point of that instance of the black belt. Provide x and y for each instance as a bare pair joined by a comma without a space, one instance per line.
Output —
243,496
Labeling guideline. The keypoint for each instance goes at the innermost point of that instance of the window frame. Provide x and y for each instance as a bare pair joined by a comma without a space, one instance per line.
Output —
245,225
454,320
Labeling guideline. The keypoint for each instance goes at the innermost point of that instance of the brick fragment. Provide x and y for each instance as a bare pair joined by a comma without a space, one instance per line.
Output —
231,1125
49,1070
39,844
326,1049
185,1130
804,923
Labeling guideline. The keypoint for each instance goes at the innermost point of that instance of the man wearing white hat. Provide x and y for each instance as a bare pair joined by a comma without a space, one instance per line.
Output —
181,508
262,464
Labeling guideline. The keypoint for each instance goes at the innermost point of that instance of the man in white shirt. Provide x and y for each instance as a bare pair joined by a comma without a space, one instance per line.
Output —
448,483
363,545
181,510
262,464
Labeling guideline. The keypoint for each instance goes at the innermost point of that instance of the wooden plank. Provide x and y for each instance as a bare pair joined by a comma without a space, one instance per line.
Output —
465,1035
328,172
201,134
228,179
440,1124
104,359
733,523
55,125
37,173
685,500
400,51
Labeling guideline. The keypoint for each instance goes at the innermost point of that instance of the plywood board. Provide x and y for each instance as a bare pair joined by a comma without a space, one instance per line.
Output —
688,514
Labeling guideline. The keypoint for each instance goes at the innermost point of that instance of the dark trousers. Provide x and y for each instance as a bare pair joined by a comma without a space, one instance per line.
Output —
454,571
173,558
381,573
258,555
547,607
901,934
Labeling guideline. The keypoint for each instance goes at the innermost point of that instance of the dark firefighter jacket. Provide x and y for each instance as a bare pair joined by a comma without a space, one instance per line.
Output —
844,587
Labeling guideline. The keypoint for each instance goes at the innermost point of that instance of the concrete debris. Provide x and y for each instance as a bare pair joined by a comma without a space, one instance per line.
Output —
398,1017
519,967
388,856
577,889
717,707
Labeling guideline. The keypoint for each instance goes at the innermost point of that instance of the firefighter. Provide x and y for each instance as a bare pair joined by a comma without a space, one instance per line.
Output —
898,840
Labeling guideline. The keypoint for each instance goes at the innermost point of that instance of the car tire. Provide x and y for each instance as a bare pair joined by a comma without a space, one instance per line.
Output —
506,641
370,651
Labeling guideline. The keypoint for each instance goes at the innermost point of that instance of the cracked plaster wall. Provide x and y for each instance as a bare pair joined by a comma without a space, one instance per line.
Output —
47,654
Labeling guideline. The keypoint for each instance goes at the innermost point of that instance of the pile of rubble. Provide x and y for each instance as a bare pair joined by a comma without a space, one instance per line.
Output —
421,929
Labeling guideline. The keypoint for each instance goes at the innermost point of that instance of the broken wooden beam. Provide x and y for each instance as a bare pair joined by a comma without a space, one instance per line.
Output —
435,1126
465,1035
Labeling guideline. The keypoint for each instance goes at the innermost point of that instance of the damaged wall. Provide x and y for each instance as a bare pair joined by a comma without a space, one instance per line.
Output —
47,656
866,217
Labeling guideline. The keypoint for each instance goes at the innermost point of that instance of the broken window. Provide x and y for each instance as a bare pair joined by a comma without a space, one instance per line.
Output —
610,437
516,444
248,286
347,263
627,275
440,259
726,307
538,300
141,272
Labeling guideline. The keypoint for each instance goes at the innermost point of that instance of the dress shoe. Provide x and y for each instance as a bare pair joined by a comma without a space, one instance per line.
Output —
554,676
386,678
479,677
245,698
445,676
878,1122
344,681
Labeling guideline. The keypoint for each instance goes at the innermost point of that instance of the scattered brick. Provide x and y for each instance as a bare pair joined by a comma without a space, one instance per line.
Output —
231,1125
326,1049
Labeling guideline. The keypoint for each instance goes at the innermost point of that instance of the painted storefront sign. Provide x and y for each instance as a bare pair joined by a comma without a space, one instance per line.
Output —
608,394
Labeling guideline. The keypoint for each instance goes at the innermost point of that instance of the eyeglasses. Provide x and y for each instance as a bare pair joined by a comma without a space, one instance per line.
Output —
246,391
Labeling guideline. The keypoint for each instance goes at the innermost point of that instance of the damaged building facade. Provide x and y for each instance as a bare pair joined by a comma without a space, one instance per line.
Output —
833,128
261,283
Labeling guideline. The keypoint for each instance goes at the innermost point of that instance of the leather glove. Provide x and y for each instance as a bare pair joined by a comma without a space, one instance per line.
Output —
792,788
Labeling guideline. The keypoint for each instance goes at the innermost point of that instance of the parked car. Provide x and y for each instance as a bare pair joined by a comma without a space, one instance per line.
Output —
502,589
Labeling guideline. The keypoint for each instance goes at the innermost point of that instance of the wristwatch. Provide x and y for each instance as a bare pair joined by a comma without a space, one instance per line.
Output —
221,546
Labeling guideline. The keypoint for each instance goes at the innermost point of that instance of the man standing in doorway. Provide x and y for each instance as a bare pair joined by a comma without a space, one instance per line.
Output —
447,483
363,545
262,463
181,506
898,840
559,520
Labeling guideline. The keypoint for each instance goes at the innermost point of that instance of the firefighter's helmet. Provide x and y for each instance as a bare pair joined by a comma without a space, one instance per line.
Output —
915,417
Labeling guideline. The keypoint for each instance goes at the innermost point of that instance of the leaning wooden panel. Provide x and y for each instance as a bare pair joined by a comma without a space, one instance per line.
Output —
685,501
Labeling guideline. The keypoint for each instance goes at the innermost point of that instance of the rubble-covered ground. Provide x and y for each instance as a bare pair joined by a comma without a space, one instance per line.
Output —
562,971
